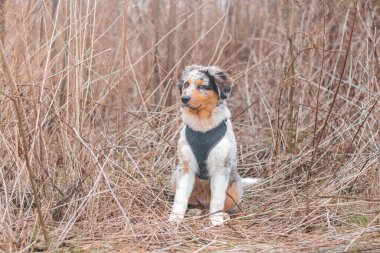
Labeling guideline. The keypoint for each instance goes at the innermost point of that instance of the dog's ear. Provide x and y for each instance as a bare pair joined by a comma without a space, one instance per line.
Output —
222,81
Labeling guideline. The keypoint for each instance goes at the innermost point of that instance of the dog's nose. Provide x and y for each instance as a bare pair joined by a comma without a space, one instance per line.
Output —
185,99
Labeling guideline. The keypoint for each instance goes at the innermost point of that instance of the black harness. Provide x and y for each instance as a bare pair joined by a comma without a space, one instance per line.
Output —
201,143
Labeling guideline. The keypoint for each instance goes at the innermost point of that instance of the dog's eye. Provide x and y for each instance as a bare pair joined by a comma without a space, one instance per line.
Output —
185,85
202,87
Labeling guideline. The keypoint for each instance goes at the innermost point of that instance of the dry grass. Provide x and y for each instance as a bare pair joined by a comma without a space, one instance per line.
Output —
89,114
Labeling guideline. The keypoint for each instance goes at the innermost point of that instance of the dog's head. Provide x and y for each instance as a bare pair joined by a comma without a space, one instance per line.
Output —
202,88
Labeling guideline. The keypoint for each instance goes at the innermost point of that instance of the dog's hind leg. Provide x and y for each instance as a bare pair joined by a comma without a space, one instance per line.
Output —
232,198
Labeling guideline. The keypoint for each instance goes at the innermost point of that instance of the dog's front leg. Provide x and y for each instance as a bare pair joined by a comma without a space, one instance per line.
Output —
219,184
184,187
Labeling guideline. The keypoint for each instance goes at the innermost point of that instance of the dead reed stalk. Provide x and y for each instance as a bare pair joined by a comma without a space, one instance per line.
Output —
289,29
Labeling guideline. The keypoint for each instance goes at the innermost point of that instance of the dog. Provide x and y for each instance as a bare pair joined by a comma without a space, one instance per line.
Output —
206,174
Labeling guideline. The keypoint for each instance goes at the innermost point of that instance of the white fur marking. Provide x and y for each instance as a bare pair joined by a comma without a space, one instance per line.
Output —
250,181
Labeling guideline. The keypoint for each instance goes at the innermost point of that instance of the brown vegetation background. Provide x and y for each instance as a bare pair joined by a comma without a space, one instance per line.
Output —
89,118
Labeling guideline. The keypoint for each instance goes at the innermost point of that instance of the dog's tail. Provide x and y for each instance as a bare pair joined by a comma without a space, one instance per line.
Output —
250,181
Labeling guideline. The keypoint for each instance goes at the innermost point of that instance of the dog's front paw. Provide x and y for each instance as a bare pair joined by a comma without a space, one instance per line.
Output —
218,219
174,217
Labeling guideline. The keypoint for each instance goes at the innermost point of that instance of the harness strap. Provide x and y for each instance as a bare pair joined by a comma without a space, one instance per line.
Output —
201,143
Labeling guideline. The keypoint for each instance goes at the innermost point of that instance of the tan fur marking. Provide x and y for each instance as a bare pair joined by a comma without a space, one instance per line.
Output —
206,103
198,82
231,198
185,168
